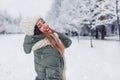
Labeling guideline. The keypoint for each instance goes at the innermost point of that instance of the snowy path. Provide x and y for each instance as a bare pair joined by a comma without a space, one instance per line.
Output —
102,62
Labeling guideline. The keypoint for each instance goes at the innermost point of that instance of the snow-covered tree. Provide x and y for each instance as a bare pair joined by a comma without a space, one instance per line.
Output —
8,24
53,14
76,15
71,15
105,14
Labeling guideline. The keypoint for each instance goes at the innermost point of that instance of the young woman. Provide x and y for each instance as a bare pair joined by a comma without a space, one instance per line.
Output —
48,46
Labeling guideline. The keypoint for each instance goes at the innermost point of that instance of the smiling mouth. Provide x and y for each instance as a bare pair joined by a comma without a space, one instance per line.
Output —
46,30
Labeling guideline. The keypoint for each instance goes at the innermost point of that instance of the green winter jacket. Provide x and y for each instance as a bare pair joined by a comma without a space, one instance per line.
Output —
49,63
29,41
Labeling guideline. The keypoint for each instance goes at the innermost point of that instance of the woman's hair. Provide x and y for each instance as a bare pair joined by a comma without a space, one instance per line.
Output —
37,31
55,42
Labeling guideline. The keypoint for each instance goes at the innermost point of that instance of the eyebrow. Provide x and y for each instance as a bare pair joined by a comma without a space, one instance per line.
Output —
43,22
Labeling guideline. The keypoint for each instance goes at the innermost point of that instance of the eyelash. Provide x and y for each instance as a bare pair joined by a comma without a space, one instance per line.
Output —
39,27
43,23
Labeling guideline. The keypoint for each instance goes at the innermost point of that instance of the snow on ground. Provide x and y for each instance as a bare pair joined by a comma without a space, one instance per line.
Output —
102,62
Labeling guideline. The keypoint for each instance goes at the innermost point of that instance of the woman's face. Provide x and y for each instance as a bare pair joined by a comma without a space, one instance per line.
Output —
43,27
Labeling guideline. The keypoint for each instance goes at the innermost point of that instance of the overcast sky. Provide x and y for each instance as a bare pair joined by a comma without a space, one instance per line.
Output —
26,7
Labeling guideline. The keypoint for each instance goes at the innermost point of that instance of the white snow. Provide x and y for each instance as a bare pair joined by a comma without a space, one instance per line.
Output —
102,62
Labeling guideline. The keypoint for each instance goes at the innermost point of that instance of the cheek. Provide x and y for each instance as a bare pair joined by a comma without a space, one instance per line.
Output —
41,29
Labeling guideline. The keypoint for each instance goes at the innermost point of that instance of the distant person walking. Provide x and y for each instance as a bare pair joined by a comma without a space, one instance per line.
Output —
103,32
96,33
100,31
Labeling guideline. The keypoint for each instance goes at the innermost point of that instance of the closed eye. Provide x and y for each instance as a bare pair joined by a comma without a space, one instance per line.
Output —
39,27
